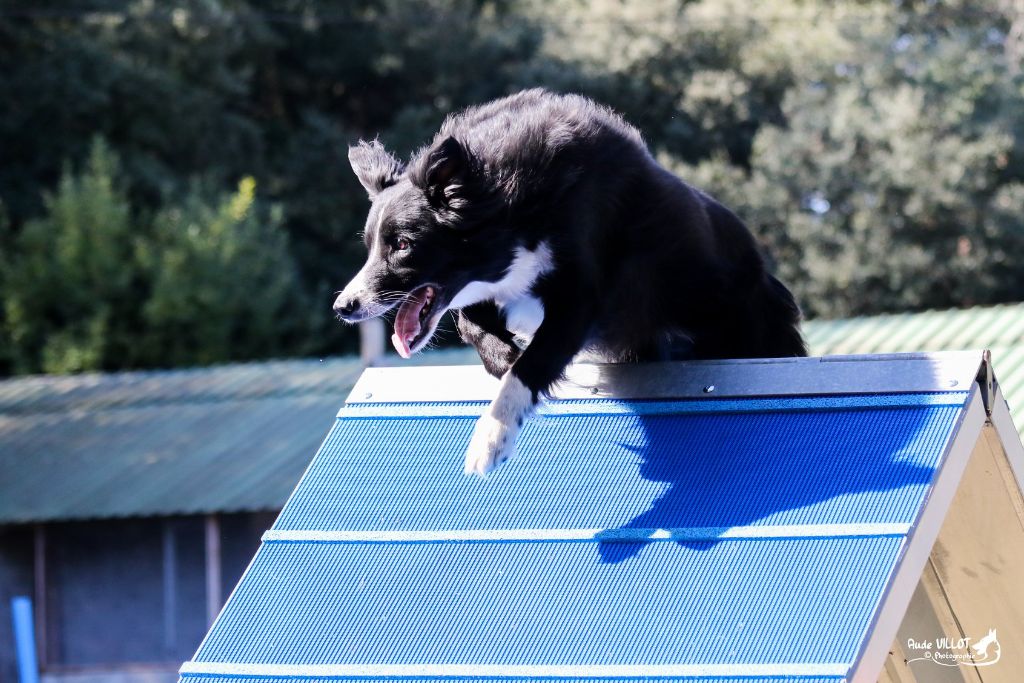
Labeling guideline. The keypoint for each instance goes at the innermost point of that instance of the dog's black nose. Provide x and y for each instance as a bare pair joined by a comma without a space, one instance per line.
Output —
346,308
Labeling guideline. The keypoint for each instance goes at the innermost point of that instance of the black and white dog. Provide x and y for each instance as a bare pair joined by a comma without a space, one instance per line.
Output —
546,222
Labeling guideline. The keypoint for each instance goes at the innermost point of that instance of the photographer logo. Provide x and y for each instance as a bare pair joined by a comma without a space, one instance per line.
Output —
956,651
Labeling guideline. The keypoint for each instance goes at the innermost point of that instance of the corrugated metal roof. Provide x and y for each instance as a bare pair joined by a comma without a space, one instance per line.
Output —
997,328
94,391
228,438
955,329
732,539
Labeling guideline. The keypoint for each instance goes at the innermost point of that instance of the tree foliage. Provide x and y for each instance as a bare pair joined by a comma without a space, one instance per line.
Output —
93,285
885,186
68,300
875,147
222,282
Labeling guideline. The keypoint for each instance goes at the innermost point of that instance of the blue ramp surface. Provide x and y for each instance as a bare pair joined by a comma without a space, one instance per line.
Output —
740,539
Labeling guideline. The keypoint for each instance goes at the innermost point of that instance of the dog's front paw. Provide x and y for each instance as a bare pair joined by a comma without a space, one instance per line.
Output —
493,443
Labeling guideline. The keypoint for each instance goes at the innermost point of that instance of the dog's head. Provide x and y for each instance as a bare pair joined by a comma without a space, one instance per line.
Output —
432,230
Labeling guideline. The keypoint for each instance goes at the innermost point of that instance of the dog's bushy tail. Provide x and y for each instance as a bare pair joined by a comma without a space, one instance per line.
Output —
781,316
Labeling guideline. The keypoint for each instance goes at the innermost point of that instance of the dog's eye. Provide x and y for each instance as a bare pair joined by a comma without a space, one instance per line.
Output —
402,244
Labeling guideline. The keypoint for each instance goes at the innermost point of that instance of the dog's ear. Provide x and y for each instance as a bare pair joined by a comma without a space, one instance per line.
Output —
375,167
444,169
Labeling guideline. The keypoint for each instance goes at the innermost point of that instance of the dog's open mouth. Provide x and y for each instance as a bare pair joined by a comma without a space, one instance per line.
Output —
415,320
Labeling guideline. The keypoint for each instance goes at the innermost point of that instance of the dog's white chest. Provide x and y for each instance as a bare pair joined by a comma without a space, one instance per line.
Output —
523,316
523,311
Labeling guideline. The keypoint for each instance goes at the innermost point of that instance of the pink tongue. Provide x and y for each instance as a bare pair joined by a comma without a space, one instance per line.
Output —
407,322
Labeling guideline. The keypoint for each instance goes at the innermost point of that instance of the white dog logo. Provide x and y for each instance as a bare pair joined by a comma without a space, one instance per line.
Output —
981,648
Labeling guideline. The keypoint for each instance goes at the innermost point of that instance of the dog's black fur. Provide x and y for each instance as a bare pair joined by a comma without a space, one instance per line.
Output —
544,218
641,260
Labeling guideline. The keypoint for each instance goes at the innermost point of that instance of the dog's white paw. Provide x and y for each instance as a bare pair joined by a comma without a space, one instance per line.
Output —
494,439
493,443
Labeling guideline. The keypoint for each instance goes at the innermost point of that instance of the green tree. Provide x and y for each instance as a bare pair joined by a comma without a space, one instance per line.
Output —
887,183
94,285
223,283
70,285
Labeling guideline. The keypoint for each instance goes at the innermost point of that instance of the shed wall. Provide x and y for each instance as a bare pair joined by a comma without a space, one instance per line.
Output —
112,607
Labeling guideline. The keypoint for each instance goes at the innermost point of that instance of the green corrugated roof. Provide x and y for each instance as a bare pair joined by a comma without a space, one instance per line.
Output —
238,437
997,328
957,329
222,439
228,438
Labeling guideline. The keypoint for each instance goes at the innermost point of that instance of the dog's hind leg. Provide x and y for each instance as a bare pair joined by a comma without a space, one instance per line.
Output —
483,326
765,324
782,321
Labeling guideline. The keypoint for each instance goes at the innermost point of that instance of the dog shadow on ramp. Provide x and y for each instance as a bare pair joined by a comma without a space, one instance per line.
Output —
728,470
